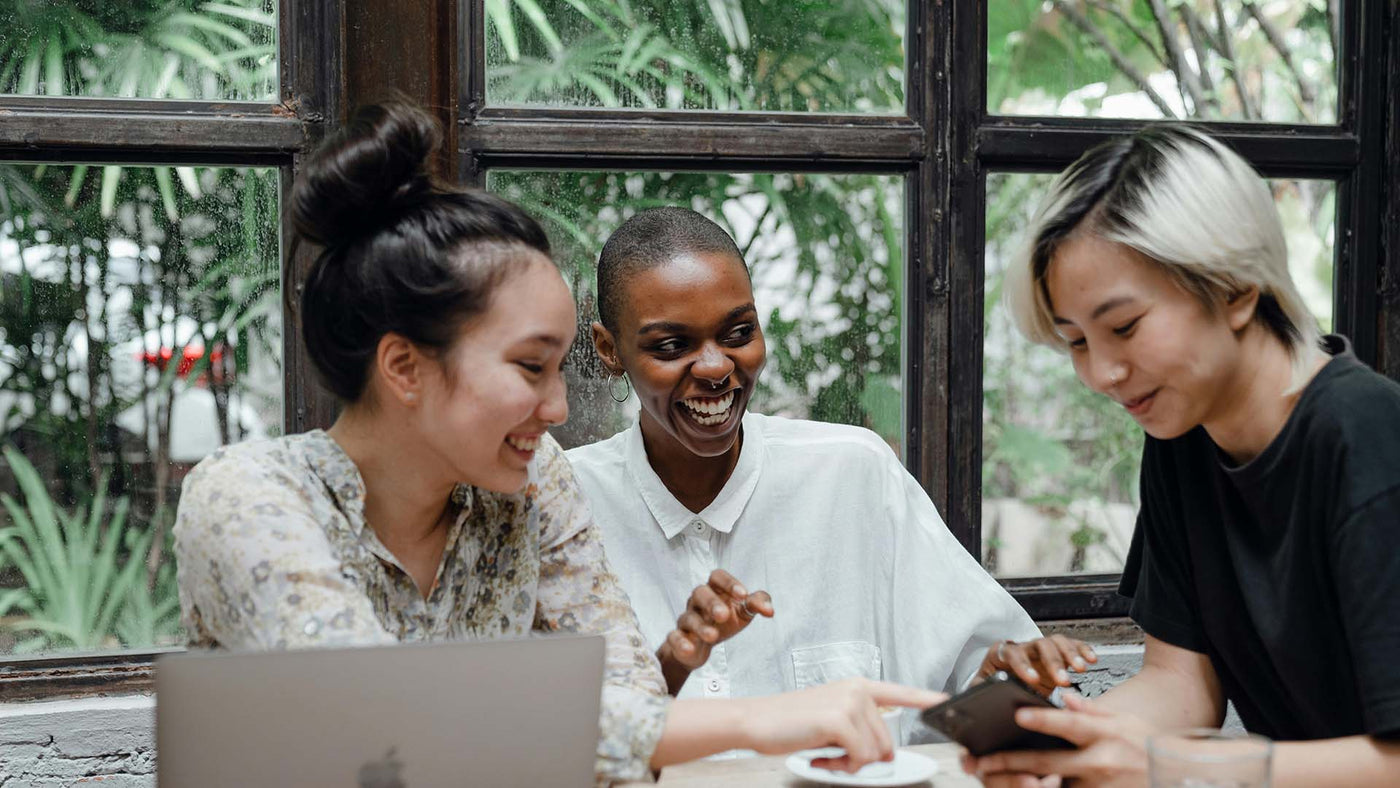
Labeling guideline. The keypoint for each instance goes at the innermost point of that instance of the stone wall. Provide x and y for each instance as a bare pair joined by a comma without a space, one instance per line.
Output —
107,742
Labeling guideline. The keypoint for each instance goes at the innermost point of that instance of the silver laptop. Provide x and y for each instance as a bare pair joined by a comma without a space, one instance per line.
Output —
497,713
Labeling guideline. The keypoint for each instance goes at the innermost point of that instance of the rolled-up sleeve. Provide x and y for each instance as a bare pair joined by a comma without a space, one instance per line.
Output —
579,593
946,609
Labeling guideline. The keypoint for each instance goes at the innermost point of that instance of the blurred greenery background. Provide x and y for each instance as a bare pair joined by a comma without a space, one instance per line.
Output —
140,321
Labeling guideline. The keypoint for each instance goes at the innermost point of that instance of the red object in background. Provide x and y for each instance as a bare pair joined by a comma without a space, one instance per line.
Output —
191,355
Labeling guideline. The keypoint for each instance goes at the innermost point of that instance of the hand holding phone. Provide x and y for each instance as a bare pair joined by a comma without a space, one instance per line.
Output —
983,717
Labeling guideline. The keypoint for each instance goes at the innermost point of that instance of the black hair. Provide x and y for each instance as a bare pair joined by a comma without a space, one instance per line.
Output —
401,251
649,239
1107,186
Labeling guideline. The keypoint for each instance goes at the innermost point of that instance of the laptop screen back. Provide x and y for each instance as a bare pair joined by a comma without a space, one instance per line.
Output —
497,713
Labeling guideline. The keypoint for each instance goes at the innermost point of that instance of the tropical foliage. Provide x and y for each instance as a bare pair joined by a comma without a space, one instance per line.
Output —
127,293
85,584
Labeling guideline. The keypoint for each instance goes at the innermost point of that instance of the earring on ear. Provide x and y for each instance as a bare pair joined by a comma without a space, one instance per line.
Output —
410,396
626,391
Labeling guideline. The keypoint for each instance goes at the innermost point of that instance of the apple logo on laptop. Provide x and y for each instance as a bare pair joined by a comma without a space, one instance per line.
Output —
383,773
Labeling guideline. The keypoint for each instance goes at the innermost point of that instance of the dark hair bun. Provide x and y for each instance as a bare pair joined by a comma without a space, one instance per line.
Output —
400,251
366,175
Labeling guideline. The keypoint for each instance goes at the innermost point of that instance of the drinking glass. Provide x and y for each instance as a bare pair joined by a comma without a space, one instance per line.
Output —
1208,758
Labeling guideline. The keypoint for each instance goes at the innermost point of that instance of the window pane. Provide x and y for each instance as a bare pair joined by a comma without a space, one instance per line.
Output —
154,49
826,256
1059,462
843,56
140,328
1207,59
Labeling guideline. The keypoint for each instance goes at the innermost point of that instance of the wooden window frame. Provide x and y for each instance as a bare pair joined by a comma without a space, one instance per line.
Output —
214,133
943,144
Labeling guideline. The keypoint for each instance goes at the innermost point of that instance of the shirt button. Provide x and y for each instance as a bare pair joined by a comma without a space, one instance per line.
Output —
714,685
698,525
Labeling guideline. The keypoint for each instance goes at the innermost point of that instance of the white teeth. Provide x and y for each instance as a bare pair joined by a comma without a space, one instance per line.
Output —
709,406
524,444
708,412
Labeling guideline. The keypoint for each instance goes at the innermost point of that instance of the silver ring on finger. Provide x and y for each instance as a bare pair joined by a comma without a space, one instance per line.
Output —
744,612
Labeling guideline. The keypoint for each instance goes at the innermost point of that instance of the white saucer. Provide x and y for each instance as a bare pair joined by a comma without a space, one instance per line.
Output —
909,767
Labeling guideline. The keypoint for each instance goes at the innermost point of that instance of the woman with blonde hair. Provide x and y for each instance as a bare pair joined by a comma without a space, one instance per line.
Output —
1265,567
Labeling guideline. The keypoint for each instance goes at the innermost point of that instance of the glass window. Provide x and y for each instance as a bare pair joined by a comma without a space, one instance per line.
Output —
153,49
826,256
1059,462
140,329
1207,59
844,56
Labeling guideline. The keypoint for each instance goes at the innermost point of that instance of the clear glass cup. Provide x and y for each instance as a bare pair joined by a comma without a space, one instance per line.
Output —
1209,758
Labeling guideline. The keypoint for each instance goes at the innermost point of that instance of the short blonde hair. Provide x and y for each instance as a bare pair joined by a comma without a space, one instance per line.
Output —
1188,204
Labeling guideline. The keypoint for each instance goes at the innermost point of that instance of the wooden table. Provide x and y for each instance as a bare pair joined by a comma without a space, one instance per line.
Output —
771,773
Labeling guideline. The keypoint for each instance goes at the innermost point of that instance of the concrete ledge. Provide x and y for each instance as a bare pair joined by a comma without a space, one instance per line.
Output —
91,741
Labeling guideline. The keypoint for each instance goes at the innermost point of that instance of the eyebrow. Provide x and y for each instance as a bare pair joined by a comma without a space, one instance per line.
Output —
546,339
1099,310
662,325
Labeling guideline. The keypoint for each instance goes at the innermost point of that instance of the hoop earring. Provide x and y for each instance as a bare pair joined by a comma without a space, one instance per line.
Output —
626,391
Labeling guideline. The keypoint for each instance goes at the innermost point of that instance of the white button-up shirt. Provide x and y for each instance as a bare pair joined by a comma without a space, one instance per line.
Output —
865,577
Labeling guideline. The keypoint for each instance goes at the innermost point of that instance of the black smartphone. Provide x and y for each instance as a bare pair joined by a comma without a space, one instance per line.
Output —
982,718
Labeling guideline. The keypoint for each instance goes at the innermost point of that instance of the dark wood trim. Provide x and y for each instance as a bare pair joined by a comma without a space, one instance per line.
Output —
629,116
471,53
1388,311
405,51
1069,597
101,130
927,40
314,81
78,675
312,53
1051,144
668,145
1355,18
139,106
144,157
966,228
1356,282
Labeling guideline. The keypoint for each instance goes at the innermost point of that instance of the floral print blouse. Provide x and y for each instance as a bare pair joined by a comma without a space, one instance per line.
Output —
273,552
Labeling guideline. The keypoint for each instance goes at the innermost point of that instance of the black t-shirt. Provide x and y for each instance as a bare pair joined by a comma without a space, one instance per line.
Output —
1285,571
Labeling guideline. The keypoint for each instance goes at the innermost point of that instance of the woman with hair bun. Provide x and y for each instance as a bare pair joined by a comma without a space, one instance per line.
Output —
1265,568
437,507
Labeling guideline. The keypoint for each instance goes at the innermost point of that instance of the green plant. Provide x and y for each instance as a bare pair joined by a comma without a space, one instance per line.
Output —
85,587
796,55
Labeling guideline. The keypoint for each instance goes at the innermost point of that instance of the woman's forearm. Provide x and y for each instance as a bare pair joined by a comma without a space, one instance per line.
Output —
1351,762
1166,699
696,728
672,670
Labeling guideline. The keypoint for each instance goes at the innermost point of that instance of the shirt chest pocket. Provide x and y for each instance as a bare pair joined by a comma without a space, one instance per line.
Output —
823,664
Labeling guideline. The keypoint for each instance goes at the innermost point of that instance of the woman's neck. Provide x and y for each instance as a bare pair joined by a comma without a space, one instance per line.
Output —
1252,408
695,481
406,492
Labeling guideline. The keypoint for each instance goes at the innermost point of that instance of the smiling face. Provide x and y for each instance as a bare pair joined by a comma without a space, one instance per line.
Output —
1137,337
485,419
688,337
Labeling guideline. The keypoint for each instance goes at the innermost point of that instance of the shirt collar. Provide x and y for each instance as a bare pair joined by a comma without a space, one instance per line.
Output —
723,512
342,478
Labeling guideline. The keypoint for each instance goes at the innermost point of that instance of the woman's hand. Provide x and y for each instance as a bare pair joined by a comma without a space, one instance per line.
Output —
1042,664
716,612
843,714
1112,750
